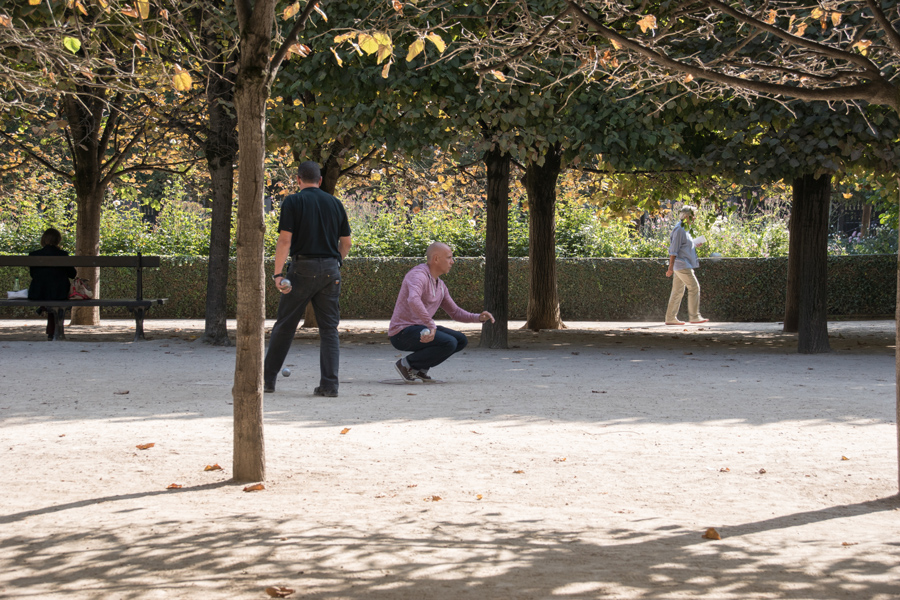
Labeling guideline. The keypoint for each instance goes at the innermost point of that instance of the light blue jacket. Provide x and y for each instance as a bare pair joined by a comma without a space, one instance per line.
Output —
681,246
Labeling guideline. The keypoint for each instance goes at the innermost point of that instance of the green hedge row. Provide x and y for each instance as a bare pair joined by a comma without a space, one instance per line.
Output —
590,289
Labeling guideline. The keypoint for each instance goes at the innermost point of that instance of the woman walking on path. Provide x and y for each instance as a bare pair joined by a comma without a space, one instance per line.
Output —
682,262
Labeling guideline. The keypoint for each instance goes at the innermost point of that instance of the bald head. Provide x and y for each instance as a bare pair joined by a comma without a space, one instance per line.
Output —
439,258
434,248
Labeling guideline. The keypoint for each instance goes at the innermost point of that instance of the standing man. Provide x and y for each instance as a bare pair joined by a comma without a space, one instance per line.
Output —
421,294
682,262
314,231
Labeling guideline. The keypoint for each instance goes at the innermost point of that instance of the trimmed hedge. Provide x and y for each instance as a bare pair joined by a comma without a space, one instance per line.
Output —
590,289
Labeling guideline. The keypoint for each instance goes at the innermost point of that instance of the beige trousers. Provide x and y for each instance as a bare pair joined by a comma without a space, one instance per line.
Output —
682,279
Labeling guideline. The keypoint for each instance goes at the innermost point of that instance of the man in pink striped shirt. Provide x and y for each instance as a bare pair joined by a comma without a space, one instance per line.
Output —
412,324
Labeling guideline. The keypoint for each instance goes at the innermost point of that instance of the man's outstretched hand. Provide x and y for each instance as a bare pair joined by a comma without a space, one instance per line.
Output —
485,316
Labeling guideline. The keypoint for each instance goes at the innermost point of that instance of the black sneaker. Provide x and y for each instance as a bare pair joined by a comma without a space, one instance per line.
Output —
424,376
320,391
269,388
407,374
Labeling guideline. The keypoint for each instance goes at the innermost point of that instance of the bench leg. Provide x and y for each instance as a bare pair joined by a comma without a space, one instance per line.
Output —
59,314
138,323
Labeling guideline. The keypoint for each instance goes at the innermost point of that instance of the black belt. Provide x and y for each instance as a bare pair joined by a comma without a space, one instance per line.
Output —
302,257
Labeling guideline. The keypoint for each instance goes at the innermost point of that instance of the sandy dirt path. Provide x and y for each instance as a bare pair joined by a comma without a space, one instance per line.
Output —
584,463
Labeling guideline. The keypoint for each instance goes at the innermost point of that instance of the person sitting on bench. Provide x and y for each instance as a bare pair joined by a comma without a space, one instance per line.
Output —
50,283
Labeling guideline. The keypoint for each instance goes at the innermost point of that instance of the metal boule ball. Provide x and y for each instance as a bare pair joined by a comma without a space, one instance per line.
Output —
286,372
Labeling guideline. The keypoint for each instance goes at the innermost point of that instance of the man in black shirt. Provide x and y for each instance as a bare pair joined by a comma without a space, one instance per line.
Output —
314,231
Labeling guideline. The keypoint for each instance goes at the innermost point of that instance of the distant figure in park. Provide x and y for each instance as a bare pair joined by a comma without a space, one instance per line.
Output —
314,231
421,294
50,283
682,262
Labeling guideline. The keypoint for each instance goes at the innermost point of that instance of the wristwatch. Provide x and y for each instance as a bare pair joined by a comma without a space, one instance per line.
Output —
277,275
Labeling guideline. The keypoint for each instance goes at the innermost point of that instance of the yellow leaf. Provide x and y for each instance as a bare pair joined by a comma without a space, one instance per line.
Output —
337,58
415,49
321,12
801,29
437,41
5,21
863,46
498,75
844,458
130,12
712,534
80,7
340,39
847,195
478,497
817,13
291,10
174,486
256,487
648,22
836,18
345,430
368,44
301,49
145,446
770,18
615,44
382,38
34,2
386,69
214,467
144,7
383,53
519,472
398,6
182,79
689,78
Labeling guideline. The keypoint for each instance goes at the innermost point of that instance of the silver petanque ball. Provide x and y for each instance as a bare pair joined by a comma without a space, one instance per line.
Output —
286,372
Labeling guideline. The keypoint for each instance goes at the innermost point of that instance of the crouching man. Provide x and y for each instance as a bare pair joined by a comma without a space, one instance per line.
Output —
421,294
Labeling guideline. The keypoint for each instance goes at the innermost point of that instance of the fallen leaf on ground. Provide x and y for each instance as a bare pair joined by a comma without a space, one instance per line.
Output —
412,485
174,486
62,435
844,458
712,534
433,499
214,467
762,471
279,591
520,471
345,430
256,487
410,394
724,470
122,392
144,446
559,459
478,497
849,543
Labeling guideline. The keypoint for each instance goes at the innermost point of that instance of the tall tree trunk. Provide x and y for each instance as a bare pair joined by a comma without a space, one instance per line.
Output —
543,297
811,200
85,119
897,355
866,221
792,295
221,153
251,92
496,254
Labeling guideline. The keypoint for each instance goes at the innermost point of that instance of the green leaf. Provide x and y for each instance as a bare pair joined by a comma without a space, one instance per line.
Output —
73,45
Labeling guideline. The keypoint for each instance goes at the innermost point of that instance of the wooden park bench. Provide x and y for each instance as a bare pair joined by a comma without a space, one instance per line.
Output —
137,306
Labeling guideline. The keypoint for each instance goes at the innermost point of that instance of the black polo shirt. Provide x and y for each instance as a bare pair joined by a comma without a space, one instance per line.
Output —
316,220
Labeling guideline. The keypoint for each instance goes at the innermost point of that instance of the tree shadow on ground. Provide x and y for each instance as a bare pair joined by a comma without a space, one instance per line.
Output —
237,555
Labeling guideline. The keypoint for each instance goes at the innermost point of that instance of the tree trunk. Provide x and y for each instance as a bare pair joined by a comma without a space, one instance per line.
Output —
85,119
221,153
897,357
811,200
543,297
496,254
866,222
792,295
251,92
